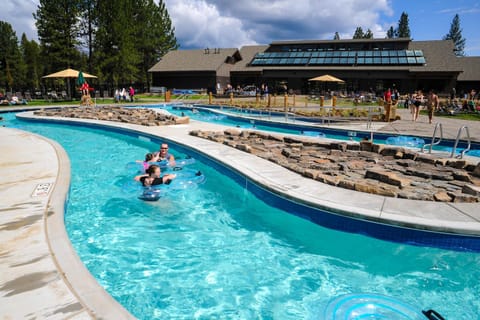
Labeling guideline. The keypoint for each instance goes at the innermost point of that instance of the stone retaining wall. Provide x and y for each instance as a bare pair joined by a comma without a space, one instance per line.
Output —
144,117
365,166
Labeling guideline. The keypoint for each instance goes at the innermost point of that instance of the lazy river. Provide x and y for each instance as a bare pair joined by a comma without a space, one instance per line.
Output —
218,251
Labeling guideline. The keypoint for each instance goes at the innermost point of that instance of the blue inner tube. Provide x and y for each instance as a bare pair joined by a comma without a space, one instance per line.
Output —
370,306
138,167
405,141
185,179
313,134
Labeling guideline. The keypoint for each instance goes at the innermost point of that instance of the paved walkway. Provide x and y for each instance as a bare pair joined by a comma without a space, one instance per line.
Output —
41,276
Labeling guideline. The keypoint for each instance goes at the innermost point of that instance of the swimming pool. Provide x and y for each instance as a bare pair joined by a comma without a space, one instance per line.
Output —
300,125
220,252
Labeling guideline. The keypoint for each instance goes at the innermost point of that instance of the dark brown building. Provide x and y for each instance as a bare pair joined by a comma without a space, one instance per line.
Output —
364,64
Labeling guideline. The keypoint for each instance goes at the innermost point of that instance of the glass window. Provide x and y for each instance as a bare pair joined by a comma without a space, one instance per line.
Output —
352,53
411,60
393,53
421,60
402,60
376,53
315,54
360,60
410,53
329,54
418,53
322,54
368,60
343,60
336,61
377,60
290,61
394,60
344,54
402,53
385,53
328,60
351,60
360,53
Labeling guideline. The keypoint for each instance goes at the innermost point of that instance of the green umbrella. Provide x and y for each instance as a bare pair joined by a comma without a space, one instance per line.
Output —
80,78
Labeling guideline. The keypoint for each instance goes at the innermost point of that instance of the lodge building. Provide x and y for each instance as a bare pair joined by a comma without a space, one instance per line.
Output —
364,65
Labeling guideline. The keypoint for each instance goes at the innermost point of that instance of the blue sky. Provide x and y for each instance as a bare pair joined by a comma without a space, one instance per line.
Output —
230,23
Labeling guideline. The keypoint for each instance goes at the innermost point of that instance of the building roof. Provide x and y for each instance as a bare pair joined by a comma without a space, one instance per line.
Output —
439,55
195,60
295,42
247,53
470,67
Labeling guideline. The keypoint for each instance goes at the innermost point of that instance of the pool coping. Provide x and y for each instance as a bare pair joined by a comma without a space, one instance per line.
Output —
372,208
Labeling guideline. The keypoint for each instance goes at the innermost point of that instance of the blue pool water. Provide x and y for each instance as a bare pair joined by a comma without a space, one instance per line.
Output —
276,123
217,251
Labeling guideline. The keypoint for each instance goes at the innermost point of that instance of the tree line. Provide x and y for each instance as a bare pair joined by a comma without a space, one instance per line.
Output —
403,31
117,40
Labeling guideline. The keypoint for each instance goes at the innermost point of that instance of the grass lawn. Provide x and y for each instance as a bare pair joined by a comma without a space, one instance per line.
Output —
460,116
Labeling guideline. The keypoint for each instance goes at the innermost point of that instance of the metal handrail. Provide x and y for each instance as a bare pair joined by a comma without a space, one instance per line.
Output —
434,143
456,143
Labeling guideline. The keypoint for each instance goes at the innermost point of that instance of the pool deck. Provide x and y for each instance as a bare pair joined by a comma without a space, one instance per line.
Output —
40,275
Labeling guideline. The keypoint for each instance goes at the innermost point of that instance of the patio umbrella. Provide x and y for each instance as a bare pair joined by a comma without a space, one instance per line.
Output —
80,79
69,73
327,78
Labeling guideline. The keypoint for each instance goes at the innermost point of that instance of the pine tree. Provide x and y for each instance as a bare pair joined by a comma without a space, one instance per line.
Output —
57,25
358,33
403,30
11,75
87,28
368,34
31,56
158,41
116,57
455,34
336,36
391,33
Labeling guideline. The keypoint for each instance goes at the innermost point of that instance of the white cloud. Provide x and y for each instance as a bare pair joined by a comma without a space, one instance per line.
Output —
19,13
223,23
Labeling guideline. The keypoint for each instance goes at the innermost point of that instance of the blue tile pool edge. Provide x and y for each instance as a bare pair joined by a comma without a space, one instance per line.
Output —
323,216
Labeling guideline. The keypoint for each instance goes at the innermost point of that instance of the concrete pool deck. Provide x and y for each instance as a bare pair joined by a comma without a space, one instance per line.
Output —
41,276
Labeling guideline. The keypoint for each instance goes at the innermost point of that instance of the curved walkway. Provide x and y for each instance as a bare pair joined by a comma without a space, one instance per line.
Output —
41,276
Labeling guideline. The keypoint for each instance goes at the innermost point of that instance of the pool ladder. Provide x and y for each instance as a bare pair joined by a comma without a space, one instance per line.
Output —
438,126
456,143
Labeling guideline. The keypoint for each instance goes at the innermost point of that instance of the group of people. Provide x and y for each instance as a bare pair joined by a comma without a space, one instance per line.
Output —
415,101
13,100
153,174
121,95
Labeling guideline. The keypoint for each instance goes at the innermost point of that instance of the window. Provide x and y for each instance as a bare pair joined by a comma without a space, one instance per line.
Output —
411,60
360,60
369,60
402,60
418,53
410,53
421,60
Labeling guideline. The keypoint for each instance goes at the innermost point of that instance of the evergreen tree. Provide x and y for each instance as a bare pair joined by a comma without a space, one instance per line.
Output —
358,33
455,34
403,30
87,28
391,33
158,41
336,36
116,57
31,56
368,34
10,59
57,25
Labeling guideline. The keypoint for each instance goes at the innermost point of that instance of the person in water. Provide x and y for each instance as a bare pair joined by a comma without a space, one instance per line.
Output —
163,154
149,157
153,177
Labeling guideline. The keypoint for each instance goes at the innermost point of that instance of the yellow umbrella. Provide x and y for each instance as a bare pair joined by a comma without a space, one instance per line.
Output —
68,73
326,78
